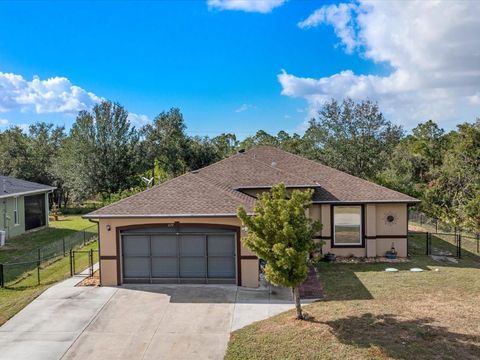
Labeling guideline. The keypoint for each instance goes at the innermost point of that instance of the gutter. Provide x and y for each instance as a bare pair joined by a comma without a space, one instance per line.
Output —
107,216
31,192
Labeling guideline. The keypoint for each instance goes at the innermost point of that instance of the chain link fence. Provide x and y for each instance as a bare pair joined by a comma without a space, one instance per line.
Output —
31,268
431,236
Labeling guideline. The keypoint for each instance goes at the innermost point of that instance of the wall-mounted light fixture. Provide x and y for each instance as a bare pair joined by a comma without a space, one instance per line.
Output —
109,228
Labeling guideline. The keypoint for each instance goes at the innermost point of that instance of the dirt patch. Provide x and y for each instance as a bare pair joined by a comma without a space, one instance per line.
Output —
93,280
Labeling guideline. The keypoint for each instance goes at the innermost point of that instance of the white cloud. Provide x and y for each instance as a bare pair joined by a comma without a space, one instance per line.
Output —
435,64
340,17
260,6
4,122
245,107
138,120
53,95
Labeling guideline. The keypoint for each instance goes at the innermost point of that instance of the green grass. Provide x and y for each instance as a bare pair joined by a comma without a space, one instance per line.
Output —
368,313
24,245
24,287
18,295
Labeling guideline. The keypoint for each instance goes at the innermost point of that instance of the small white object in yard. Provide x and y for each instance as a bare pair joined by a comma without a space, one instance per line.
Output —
391,270
416,270
436,269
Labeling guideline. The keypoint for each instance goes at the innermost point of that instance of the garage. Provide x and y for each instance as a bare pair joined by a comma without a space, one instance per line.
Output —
189,255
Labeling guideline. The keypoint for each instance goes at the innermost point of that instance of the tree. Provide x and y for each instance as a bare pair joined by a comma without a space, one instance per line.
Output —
103,152
353,137
166,142
281,233
455,192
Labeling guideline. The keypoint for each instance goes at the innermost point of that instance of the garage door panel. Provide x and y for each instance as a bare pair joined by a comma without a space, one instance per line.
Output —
221,245
192,245
191,267
221,267
194,257
164,267
164,245
136,245
136,267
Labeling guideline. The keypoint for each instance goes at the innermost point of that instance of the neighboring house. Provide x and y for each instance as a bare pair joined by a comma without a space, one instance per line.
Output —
186,229
23,205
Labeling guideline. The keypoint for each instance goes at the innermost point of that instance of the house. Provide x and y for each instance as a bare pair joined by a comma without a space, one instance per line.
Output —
23,206
186,229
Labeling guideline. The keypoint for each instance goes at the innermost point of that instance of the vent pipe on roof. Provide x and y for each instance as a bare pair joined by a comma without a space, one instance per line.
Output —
274,163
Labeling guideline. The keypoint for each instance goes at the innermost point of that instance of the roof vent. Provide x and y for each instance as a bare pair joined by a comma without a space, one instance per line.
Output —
274,163
241,151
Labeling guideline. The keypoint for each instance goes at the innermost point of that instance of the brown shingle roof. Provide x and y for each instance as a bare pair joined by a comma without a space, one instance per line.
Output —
216,189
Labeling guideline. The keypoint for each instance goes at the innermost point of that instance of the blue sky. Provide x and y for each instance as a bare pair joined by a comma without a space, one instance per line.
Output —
222,67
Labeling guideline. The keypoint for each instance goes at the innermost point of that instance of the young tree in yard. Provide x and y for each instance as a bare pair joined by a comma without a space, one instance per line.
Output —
281,233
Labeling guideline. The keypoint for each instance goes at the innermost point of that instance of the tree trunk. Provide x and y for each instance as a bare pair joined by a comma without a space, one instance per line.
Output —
298,306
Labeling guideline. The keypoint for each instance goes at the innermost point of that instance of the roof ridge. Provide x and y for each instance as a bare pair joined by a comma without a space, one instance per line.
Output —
140,193
237,195
286,172
316,163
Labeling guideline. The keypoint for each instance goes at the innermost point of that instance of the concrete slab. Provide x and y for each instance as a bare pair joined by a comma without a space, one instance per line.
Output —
48,326
136,321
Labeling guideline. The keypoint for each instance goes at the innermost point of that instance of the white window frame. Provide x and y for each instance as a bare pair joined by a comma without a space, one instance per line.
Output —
16,217
360,243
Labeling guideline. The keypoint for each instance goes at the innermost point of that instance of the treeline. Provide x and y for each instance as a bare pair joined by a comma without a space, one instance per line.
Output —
104,157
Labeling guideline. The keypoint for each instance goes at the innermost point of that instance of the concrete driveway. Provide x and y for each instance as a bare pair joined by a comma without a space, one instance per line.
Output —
136,321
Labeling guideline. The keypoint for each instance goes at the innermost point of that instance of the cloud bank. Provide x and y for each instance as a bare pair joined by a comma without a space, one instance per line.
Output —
53,95
431,47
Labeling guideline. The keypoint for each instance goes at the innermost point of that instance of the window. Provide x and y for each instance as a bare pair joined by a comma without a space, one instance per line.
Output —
15,211
347,225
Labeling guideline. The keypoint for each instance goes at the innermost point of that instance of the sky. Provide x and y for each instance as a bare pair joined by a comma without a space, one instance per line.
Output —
239,65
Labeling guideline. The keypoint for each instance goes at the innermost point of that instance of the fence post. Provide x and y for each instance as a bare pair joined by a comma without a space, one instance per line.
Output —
459,249
427,241
91,262
478,243
39,260
84,237
2,281
71,263
64,250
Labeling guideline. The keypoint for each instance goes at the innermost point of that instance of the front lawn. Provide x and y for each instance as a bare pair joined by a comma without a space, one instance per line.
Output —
368,313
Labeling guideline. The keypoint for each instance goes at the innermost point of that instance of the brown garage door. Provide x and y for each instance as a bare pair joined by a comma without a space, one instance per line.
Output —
189,256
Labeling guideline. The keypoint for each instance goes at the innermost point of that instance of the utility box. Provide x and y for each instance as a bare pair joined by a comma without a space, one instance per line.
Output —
2,238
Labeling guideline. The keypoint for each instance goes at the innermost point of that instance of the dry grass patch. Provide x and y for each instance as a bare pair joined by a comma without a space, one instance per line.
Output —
370,314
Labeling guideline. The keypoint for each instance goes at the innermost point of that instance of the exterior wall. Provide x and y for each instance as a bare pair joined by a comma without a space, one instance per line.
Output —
379,234
111,273
7,222
6,216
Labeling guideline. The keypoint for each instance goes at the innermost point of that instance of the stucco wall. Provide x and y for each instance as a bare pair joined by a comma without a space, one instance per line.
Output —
108,245
379,233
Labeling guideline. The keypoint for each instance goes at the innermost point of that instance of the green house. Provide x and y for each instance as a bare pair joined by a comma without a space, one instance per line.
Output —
23,206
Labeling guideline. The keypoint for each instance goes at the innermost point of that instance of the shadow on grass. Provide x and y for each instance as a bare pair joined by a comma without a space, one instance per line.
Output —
401,339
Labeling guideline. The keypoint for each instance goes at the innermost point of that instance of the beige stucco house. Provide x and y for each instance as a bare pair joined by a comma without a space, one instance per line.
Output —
186,230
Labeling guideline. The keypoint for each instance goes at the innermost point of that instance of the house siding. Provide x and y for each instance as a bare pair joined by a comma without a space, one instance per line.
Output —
7,224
